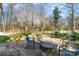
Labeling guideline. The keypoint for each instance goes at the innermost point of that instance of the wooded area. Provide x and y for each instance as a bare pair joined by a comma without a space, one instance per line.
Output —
33,17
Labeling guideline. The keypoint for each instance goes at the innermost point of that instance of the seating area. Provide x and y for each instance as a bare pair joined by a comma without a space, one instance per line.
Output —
62,50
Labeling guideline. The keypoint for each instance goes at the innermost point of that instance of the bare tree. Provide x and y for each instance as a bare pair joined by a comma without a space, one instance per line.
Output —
42,15
2,16
71,9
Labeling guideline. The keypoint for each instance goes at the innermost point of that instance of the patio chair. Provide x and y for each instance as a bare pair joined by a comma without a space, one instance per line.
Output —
30,43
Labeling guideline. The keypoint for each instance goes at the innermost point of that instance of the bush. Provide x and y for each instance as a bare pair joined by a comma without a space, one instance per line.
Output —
47,28
76,34
60,35
66,37
63,34
26,33
56,35
4,39
16,37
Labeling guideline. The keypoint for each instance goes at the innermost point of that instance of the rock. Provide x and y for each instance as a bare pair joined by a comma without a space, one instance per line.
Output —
44,54
19,49
2,48
11,52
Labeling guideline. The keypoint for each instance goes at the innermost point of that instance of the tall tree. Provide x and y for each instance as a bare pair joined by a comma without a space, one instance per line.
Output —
71,13
42,15
12,17
2,16
56,16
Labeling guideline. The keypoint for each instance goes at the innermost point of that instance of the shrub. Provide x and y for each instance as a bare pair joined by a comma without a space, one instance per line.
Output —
26,33
63,34
60,35
4,38
47,28
76,34
56,35
16,37
66,37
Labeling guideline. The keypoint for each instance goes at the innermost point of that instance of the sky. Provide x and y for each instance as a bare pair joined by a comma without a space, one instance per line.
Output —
49,7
